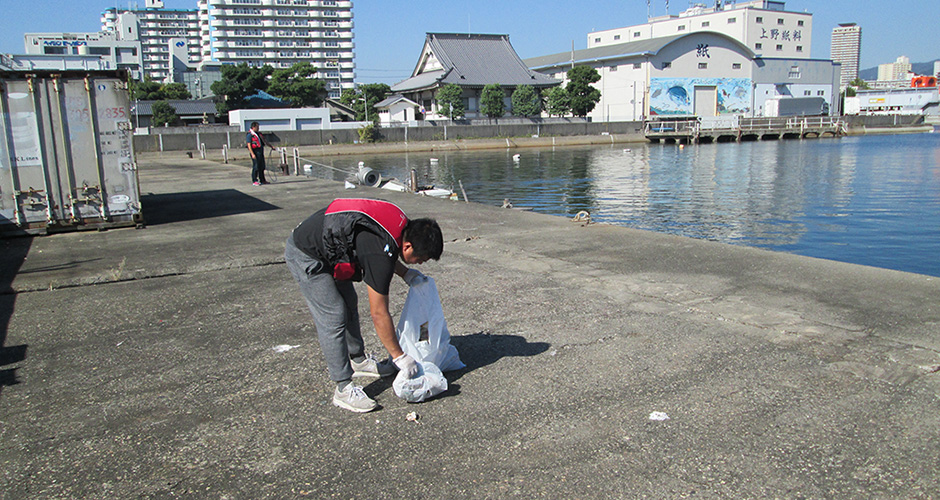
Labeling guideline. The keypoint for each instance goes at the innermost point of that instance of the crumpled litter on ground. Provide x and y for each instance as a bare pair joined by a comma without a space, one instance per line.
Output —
284,347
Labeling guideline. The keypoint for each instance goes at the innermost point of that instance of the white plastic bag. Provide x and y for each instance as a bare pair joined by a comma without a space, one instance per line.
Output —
427,383
423,315
422,334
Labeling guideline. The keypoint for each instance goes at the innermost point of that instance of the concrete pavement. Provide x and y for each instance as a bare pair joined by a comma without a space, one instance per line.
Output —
140,363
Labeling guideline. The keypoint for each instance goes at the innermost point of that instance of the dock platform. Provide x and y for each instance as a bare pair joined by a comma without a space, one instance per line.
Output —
695,130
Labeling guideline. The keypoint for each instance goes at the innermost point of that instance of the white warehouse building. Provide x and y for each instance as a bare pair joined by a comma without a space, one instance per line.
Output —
764,26
701,73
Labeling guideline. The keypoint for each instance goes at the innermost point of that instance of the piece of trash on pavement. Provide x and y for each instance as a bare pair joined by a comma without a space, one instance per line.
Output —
284,347
412,417
658,416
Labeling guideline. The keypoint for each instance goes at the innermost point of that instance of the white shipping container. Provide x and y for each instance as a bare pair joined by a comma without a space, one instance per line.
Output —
66,152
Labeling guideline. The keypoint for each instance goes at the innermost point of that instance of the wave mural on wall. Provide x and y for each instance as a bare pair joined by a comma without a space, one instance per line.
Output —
673,96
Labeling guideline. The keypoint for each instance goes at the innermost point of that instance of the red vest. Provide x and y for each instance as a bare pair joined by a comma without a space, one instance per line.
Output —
339,223
255,140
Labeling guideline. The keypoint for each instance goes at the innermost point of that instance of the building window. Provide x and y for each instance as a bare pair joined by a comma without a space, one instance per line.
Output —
736,66
637,65
597,40
799,23
636,34
799,48
613,68
667,65
702,65
779,47
758,46
807,92
780,21
794,72
681,27
820,92
616,37
760,20
706,24
732,20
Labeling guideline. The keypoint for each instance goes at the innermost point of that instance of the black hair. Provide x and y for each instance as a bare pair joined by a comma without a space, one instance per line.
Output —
254,124
425,238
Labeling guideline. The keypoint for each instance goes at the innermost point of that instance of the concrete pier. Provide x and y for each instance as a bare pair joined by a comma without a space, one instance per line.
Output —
141,363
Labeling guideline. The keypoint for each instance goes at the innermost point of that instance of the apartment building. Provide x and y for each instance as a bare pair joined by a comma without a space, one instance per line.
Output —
764,26
281,33
157,30
164,43
900,69
845,49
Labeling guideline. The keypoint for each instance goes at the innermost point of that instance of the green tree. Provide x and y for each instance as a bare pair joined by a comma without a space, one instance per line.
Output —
371,94
147,90
583,97
175,91
450,101
492,103
369,133
239,82
297,86
860,84
526,101
556,101
163,114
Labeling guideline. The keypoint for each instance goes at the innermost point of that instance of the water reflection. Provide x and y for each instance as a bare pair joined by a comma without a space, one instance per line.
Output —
868,200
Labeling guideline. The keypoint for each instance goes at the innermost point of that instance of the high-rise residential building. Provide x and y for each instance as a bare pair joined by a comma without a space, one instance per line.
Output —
845,49
159,31
898,70
764,26
281,33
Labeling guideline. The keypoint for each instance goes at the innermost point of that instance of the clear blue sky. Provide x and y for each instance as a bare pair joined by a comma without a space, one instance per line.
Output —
389,35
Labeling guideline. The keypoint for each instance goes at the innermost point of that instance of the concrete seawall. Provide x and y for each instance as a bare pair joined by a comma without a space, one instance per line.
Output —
343,142
140,363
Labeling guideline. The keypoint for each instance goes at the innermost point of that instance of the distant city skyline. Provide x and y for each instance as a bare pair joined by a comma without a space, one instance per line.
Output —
389,35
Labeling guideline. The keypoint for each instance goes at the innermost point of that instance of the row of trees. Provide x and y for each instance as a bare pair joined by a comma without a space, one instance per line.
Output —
149,90
294,85
578,97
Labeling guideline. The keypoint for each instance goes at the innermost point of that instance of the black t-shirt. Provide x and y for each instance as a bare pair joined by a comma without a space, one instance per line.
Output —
375,259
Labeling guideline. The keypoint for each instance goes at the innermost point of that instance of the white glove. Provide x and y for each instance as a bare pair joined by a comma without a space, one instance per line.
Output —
407,365
414,277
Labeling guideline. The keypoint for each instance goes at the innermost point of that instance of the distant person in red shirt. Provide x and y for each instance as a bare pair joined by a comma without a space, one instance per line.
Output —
256,144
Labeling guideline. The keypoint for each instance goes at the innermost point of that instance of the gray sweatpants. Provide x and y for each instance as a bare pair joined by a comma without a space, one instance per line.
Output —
335,309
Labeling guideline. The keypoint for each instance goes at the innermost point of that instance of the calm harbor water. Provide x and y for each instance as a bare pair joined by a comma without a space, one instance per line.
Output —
871,200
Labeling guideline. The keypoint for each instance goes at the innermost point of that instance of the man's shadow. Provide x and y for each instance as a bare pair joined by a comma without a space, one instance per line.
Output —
476,351
14,251
483,348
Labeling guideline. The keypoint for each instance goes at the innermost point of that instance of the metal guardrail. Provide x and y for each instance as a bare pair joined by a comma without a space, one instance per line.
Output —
692,127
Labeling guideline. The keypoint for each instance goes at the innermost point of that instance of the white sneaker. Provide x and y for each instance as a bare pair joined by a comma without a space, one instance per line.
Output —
353,398
371,367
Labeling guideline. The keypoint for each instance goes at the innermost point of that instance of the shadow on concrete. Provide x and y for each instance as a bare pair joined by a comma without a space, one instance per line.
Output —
481,349
195,205
476,351
14,251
